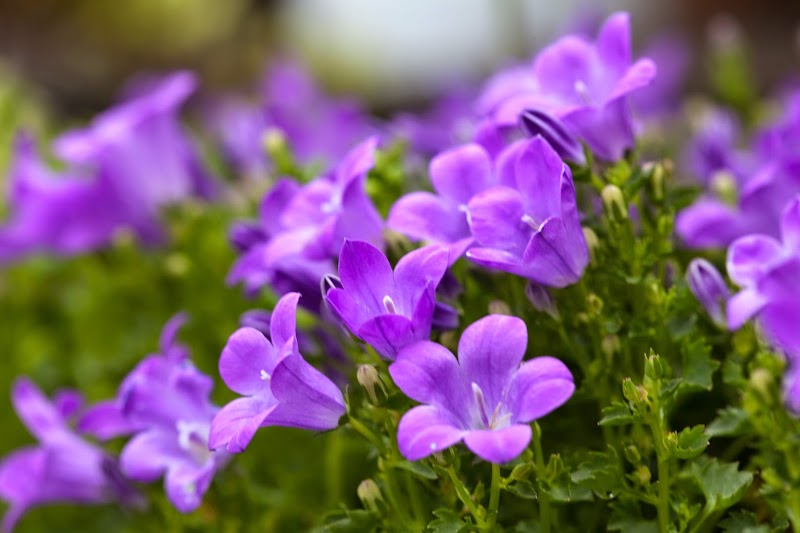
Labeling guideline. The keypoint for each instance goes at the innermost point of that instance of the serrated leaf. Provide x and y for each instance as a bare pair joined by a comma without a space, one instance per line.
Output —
742,521
616,414
722,484
691,442
730,422
447,521
417,468
698,366
524,489
600,473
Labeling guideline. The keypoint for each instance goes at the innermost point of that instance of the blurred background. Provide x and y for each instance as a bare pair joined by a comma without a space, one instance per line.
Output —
77,53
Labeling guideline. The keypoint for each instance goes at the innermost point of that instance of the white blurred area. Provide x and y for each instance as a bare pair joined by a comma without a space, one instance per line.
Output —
393,51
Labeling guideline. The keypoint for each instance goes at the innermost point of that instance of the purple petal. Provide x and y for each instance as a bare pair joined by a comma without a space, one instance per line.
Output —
608,130
169,334
237,422
308,399
554,257
614,42
185,485
538,172
490,351
497,220
388,334
708,223
742,306
500,445
366,275
418,273
283,325
497,259
422,215
357,162
246,354
67,402
274,202
750,257
540,386
106,420
346,309
428,373
790,225
460,173
639,75
425,430
21,476
359,219
35,410
148,454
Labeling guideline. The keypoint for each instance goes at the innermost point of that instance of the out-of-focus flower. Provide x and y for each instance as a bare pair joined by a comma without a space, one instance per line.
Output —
386,309
662,98
63,467
279,387
531,228
709,288
584,84
486,398
536,122
165,402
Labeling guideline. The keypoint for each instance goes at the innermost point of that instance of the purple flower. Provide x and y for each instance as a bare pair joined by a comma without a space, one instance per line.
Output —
457,176
63,467
713,148
583,84
386,309
165,402
662,99
486,398
536,122
531,228
239,127
279,387
709,288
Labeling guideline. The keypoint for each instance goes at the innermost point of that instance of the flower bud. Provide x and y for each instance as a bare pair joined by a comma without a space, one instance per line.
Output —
709,288
369,378
614,202
723,185
642,475
592,241
499,307
370,494
541,299
521,471
535,122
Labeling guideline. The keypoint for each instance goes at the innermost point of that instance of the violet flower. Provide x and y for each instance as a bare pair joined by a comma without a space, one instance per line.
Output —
583,84
386,309
531,229
165,403
486,398
535,122
457,175
63,467
279,387
709,288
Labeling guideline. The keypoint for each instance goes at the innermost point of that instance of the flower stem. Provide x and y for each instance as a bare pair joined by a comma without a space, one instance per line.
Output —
662,454
494,497
465,497
544,498
366,433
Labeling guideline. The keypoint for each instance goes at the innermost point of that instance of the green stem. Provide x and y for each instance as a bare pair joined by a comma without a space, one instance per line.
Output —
366,433
494,497
391,494
417,509
544,498
662,504
465,497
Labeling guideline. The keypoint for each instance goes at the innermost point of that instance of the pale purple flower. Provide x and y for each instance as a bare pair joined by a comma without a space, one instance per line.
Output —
239,127
63,468
714,148
531,227
584,84
386,309
709,288
486,398
279,387
165,403
662,98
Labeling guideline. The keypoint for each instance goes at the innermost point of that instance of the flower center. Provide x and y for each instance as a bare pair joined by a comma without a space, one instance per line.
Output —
497,420
265,376
193,438
582,90
388,304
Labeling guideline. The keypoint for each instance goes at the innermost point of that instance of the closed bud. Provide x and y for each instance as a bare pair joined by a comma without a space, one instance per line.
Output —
370,494
541,299
761,380
521,471
535,122
499,307
610,345
274,141
642,475
657,178
614,203
709,288
630,391
369,378
592,242
723,185
632,454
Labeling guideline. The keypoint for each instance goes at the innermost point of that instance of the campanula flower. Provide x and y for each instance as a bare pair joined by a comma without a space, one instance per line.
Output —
279,387
584,84
531,228
486,397
386,309
164,402
709,288
63,467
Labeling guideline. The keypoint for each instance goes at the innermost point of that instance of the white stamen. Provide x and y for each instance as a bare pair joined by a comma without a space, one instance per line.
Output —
265,376
527,219
481,403
388,304
583,91
464,209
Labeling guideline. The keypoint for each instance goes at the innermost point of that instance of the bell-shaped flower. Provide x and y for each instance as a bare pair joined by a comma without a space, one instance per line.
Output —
532,228
584,84
386,309
457,175
165,403
63,468
486,397
279,387
709,288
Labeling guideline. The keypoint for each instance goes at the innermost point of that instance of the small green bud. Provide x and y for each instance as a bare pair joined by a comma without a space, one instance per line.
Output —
761,380
632,454
521,471
594,304
630,390
723,185
657,174
642,475
499,307
610,346
370,494
369,378
653,368
614,203
274,141
177,264
592,241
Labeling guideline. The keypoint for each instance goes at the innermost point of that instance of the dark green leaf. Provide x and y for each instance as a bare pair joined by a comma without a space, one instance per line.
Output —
691,442
743,522
722,484
616,414
698,366
447,521
730,422
417,468
524,489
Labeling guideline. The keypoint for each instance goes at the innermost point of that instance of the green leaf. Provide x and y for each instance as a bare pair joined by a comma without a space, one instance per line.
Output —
616,414
698,366
524,489
633,525
447,521
691,442
600,472
722,484
743,522
417,468
351,521
730,422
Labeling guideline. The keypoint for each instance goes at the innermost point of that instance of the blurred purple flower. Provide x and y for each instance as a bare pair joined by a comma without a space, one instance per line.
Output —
531,227
583,84
386,309
713,148
486,398
63,467
165,402
662,98
279,387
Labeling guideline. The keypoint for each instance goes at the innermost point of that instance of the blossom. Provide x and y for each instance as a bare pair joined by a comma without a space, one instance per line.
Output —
279,387
709,288
165,403
457,176
532,227
536,122
386,309
63,467
486,398
583,84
